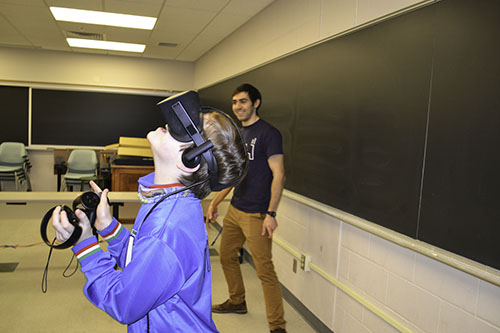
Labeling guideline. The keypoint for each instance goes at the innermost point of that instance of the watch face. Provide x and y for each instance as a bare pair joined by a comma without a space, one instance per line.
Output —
273,214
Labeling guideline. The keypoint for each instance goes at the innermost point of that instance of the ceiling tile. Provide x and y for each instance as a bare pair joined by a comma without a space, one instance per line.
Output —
195,25
145,8
78,4
205,5
9,36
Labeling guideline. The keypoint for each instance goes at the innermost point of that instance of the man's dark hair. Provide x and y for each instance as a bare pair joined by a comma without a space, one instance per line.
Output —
229,152
253,93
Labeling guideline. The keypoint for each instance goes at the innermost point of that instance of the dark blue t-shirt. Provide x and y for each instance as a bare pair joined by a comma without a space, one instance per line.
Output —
263,140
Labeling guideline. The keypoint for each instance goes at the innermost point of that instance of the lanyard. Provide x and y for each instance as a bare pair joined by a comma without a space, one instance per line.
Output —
130,246
133,233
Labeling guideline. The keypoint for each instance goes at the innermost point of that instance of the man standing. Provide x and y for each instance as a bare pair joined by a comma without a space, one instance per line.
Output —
252,213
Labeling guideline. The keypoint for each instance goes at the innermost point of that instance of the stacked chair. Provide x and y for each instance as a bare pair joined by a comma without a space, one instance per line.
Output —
82,167
15,165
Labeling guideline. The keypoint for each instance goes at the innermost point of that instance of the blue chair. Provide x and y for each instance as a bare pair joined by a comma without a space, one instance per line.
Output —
82,167
15,165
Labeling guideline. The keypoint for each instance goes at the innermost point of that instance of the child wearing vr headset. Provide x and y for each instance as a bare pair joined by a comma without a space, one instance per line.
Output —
164,284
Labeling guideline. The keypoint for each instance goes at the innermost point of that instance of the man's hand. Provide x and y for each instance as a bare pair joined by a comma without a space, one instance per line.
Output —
103,214
212,214
64,228
270,224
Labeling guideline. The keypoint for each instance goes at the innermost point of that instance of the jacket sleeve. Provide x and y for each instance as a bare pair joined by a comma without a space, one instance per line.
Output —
116,235
144,284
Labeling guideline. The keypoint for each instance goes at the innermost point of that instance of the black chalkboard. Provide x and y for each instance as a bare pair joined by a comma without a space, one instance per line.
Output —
339,105
14,112
84,118
461,189
396,123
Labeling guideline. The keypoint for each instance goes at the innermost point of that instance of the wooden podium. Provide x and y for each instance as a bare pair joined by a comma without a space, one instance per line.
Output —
124,177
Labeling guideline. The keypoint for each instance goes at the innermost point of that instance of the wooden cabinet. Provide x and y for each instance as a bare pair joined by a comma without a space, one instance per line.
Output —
124,177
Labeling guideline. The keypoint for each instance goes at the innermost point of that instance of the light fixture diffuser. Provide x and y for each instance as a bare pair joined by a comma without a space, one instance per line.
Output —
103,18
105,45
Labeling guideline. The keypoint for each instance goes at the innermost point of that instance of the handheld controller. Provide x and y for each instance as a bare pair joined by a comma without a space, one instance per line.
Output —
87,202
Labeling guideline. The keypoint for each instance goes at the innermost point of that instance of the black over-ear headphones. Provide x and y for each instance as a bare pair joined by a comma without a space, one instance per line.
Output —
184,114
191,156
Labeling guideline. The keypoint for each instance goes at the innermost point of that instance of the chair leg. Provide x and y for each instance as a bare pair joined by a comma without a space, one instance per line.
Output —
28,184
28,181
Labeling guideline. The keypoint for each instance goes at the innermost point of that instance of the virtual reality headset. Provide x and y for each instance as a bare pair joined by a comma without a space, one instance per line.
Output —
184,115
175,109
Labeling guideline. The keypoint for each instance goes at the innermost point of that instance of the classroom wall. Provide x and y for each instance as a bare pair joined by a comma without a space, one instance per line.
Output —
66,70
412,291
93,70
286,26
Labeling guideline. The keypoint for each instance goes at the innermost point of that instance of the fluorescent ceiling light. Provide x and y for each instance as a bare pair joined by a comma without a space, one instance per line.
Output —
103,18
105,45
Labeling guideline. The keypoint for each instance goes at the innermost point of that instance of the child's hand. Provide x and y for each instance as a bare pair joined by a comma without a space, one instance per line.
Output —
103,215
64,228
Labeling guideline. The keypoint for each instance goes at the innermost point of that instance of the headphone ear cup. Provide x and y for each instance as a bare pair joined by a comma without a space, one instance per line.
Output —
190,162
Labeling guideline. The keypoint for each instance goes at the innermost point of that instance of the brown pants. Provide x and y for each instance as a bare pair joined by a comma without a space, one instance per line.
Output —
238,227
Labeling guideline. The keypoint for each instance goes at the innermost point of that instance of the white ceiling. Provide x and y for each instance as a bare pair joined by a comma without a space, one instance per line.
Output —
195,26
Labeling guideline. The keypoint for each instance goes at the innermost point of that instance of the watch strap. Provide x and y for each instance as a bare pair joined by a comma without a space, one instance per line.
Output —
271,213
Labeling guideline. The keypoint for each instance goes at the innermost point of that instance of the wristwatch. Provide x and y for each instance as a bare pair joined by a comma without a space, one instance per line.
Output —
271,213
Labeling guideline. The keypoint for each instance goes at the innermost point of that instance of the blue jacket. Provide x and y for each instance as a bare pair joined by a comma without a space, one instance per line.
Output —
167,285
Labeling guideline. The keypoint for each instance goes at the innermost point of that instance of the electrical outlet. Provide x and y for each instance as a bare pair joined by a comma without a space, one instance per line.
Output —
305,261
307,265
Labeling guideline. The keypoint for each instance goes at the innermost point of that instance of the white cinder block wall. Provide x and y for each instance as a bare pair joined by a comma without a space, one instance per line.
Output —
419,293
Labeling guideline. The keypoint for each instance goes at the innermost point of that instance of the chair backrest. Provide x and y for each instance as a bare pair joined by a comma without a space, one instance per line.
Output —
82,161
12,153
